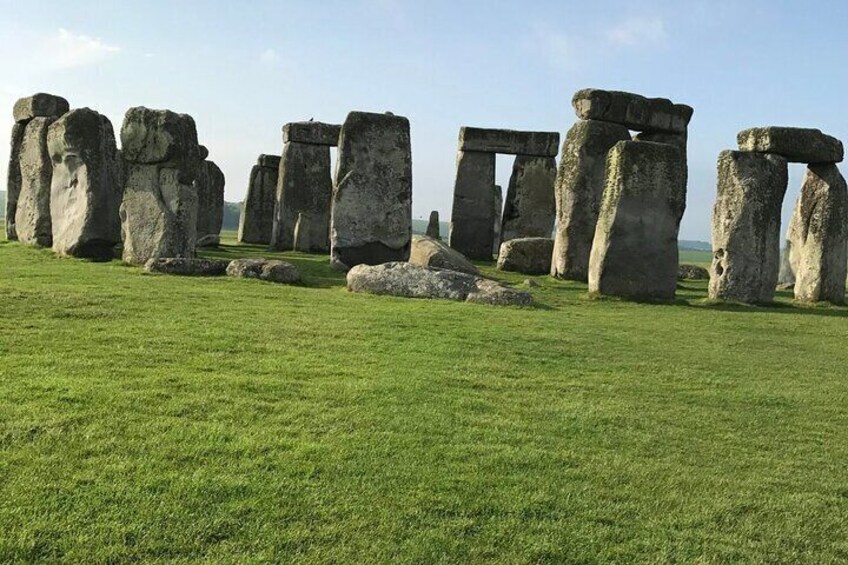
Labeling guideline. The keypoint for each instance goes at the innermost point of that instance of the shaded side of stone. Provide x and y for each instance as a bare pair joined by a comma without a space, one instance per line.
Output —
210,204
528,255
13,183
256,222
433,226
33,224
497,217
510,142
472,216
315,133
530,207
41,105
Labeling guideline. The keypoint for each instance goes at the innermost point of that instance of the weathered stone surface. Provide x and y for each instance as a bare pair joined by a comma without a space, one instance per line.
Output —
433,226
303,187
315,133
509,142
414,281
472,221
579,190
271,271
822,240
187,267
692,273
210,204
269,161
161,137
303,233
786,276
526,255
634,254
746,226
678,139
204,153
632,110
32,214
430,252
790,256
87,187
372,196
797,145
13,183
530,207
497,216
256,223
40,105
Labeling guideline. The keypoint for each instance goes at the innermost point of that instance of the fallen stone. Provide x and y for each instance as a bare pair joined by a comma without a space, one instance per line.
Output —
187,267
161,136
796,145
314,133
530,207
13,182
433,227
527,255
472,217
430,252
632,110
256,223
746,226
272,271
692,273
414,281
509,142
210,204
32,213
40,105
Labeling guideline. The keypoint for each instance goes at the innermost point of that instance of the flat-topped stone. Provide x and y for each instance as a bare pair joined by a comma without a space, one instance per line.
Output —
40,105
315,133
632,110
510,142
269,161
796,145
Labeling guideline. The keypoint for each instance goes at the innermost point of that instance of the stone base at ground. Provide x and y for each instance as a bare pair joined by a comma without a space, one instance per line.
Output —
187,267
256,223
529,255
267,270
429,252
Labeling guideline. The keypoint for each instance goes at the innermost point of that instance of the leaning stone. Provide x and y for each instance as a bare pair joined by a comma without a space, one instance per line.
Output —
797,145
314,133
579,190
433,227
86,188
32,214
510,142
746,226
187,267
210,204
430,252
40,105
372,196
497,216
472,217
530,207
271,271
414,281
692,273
634,254
256,223
632,110
160,136
527,255
823,242
13,183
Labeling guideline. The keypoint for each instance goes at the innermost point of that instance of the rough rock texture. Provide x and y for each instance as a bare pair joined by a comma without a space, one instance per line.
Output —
32,214
271,271
692,273
40,105
256,223
87,186
497,217
372,195
161,136
786,275
797,145
746,226
187,267
472,221
527,255
634,254
413,281
13,183
680,140
579,190
510,142
433,226
632,110
315,133
530,207
822,241
303,236
790,255
304,186
269,161
430,252
210,204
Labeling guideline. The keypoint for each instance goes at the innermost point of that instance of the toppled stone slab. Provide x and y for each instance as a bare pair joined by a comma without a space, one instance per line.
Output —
527,255
256,223
433,226
473,214
160,136
509,142
632,110
33,224
210,204
41,105
530,208
797,145
187,267
430,252
414,281
314,133
692,273
267,270
86,188
746,226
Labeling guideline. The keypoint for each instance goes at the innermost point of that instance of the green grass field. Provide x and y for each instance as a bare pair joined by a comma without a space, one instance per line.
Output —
176,420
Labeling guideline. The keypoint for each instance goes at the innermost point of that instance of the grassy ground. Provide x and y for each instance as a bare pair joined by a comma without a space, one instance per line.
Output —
173,420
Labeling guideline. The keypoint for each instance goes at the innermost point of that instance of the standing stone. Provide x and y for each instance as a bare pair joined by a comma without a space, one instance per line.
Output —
497,215
472,222
746,226
32,216
210,204
579,190
433,228
635,254
372,196
303,233
822,241
161,162
256,224
86,188
789,256
530,203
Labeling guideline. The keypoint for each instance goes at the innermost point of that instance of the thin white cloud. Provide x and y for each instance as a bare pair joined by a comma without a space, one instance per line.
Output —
67,50
269,57
637,31
558,48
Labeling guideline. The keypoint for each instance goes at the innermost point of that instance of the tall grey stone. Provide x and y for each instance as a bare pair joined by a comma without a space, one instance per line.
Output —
472,216
634,254
433,228
579,190
530,207
256,224
210,204
87,185
497,216
303,233
32,215
822,236
746,226
372,193
634,111
796,145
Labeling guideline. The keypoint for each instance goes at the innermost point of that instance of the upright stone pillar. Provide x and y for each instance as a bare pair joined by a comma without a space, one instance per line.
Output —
13,183
530,205
87,185
210,204
472,217
433,228
746,226
497,216
256,223
372,195
32,215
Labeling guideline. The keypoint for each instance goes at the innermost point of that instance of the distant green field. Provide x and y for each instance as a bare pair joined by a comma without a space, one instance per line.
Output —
702,258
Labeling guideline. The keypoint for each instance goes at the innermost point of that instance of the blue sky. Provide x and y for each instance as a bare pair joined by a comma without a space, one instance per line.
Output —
243,69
